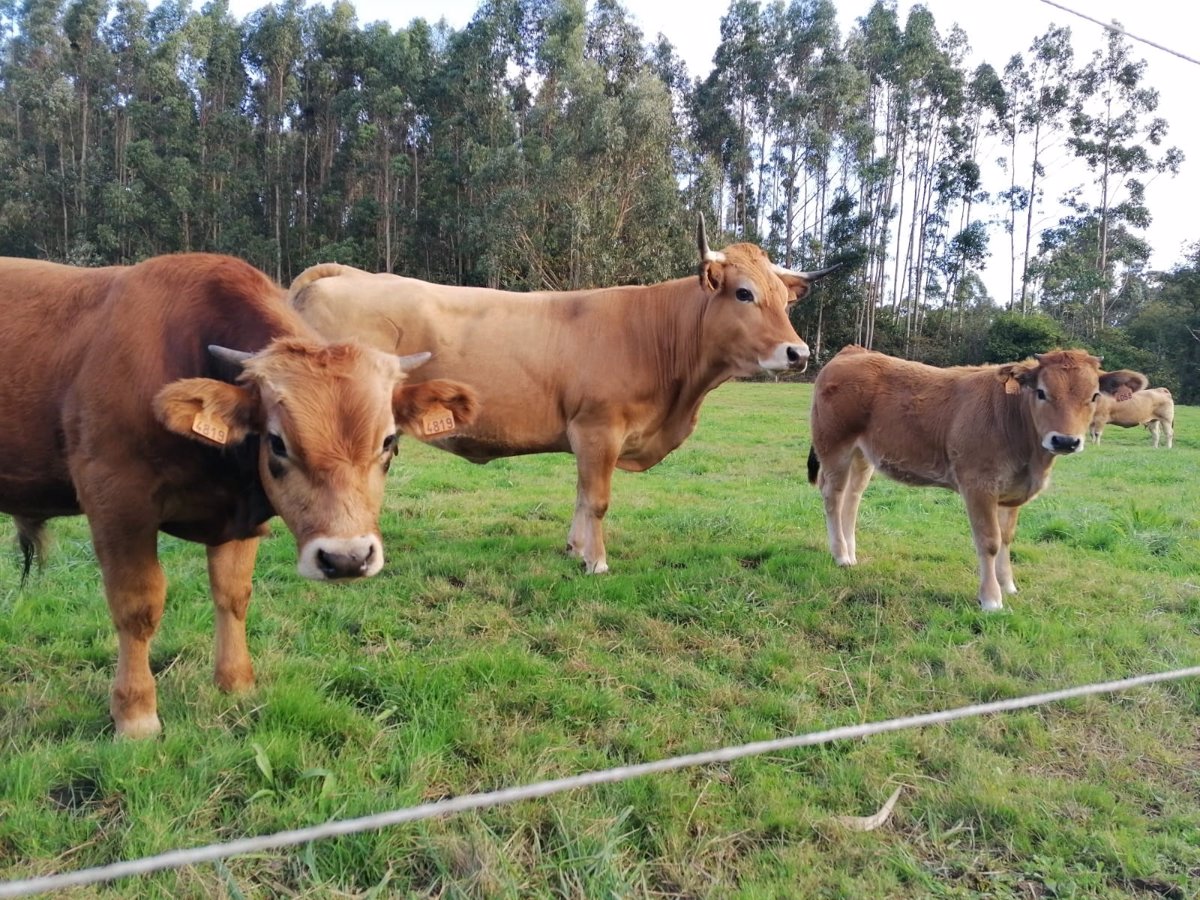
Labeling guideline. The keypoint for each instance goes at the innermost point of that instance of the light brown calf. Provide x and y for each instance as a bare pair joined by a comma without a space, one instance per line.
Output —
1152,407
122,402
615,376
991,433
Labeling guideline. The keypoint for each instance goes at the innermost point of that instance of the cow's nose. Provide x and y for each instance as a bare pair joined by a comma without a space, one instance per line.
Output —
797,354
345,564
1064,443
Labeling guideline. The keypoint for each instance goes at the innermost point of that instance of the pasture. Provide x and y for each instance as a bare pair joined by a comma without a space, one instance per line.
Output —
482,657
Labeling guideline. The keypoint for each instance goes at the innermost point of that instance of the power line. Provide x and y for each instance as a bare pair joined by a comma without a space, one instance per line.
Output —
1118,29
175,859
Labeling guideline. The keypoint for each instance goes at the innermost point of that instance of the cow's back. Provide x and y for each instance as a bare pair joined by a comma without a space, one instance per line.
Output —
912,420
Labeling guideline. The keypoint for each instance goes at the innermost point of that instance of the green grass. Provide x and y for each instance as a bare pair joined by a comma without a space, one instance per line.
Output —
482,658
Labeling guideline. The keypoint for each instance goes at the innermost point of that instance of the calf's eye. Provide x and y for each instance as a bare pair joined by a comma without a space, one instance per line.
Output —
389,443
1041,395
744,295
278,447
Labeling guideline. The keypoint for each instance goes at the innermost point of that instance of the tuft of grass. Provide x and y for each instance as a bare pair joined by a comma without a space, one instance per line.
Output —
482,657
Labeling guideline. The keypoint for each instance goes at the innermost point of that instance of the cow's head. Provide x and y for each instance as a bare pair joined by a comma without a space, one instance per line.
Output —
750,298
1062,388
327,417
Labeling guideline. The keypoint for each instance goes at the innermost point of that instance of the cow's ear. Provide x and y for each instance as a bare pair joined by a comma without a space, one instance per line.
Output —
433,408
206,410
1111,382
712,274
1015,376
796,285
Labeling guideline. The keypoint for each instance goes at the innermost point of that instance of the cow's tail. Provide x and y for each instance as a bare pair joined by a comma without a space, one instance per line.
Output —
814,465
31,537
316,273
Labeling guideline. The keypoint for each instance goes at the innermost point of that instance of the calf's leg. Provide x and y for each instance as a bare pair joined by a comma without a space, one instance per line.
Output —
985,528
595,458
1007,516
833,480
230,573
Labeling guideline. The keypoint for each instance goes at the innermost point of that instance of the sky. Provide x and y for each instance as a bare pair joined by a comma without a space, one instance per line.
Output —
995,31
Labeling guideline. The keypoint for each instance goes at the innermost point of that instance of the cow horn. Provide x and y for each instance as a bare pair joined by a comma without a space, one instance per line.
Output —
236,358
706,253
810,277
413,360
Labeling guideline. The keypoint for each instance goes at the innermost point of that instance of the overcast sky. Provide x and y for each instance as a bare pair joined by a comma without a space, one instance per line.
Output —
996,31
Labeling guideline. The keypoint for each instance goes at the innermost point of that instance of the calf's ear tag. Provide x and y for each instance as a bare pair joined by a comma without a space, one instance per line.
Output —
211,426
437,420
1012,386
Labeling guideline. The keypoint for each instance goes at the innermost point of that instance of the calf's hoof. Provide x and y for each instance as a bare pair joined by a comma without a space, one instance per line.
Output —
138,728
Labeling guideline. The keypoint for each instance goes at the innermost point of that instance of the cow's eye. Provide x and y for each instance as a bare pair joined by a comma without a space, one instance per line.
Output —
278,447
1095,396
1041,395
744,295
389,443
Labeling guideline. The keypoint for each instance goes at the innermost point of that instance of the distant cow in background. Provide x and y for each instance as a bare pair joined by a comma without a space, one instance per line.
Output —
1152,407
991,433
615,375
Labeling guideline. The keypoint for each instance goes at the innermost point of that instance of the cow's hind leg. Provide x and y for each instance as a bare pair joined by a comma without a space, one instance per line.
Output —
834,480
230,574
1152,427
1168,427
856,484
985,527
1008,529
595,458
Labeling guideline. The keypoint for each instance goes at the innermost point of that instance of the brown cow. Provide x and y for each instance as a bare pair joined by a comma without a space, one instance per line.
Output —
991,433
615,375
116,408
1152,407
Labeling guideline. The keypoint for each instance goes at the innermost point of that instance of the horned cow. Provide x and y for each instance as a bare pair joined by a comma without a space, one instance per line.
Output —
615,376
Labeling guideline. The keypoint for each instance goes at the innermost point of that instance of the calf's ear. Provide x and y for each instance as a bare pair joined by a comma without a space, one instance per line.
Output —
432,408
1111,382
206,410
1015,376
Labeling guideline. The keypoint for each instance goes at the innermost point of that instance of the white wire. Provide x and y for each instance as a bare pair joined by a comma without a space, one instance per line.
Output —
177,858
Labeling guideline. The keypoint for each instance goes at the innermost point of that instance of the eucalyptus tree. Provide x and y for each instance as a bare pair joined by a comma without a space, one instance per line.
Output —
1114,133
274,47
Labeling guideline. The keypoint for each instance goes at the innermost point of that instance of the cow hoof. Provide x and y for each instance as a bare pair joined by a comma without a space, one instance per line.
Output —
139,728
234,682
991,605
599,568
1010,588
844,561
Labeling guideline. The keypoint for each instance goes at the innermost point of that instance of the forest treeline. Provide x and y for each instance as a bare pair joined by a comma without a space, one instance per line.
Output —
550,144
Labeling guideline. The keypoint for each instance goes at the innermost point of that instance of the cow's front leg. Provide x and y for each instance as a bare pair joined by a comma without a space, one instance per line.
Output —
136,590
985,527
1008,529
595,458
230,574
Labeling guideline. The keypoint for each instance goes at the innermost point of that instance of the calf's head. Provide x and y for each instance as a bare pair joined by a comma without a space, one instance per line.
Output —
327,418
1062,389
750,299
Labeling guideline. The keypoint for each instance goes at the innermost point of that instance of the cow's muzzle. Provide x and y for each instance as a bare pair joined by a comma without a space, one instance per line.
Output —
786,356
339,559
1062,444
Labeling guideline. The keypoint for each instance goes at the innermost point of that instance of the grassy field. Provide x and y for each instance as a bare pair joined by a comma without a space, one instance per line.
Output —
482,658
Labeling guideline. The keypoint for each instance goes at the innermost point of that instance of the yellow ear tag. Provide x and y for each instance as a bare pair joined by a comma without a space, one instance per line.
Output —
211,426
437,420
1012,386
